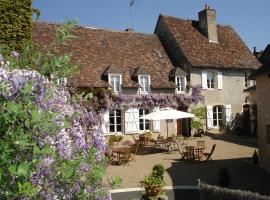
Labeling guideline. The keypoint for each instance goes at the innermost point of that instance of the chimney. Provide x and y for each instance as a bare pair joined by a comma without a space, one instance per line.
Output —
208,25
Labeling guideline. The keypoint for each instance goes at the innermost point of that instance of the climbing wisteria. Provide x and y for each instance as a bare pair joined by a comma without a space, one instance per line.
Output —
51,146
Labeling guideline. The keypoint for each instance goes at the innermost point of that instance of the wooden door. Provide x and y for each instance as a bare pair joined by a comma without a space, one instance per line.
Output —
179,127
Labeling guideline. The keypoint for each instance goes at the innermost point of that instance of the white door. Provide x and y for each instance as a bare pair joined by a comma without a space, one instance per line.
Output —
217,116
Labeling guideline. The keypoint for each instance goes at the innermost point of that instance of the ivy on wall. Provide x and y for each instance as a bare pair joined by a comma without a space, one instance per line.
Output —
15,22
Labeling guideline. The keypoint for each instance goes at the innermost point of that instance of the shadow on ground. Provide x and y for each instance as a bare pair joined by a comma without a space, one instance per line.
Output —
231,137
244,174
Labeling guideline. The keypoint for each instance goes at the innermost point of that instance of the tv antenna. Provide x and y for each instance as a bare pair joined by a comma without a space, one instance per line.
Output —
131,4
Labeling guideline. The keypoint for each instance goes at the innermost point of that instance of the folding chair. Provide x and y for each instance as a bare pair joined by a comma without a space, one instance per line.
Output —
209,154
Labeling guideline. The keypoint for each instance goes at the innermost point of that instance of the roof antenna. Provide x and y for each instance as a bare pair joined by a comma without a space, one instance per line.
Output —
131,4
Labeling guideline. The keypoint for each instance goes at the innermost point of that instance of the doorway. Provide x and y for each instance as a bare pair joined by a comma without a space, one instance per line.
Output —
218,116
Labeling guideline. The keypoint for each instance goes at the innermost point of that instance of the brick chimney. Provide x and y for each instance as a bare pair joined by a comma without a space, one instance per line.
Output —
208,25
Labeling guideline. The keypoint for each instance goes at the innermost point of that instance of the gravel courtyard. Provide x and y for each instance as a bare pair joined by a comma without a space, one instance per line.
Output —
231,151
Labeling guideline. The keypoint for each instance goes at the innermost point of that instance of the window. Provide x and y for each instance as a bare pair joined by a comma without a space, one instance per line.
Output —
210,80
217,116
180,84
144,123
115,81
62,81
144,82
115,121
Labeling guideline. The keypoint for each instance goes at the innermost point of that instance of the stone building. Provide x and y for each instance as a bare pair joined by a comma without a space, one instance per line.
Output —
262,77
214,56
181,53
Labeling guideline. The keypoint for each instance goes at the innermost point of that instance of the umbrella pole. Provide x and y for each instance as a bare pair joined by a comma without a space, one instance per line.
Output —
167,129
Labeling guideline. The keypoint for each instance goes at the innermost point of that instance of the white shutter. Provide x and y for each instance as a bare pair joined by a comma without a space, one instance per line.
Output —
204,80
219,81
228,114
209,110
156,123
106,123
132,120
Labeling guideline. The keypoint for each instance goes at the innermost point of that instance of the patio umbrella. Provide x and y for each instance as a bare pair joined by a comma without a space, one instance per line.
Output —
167,114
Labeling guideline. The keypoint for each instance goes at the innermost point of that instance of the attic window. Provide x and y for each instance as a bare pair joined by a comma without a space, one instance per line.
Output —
159,54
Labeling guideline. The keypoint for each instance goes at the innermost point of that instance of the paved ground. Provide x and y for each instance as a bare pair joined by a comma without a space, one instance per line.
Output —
232,151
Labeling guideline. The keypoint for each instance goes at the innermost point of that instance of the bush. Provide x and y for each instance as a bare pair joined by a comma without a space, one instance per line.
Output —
158,171
209,192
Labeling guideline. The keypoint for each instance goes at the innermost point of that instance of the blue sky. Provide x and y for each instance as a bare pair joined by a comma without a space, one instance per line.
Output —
249,18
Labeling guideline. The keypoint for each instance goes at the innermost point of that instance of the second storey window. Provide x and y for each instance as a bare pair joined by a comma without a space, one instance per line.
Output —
210,80
115,121
115,81
180,84
144,81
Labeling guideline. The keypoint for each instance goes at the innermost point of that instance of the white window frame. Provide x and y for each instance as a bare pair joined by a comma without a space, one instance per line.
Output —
115,121
144,120
142,86
61,81
180,88
217,109
208,79
114,88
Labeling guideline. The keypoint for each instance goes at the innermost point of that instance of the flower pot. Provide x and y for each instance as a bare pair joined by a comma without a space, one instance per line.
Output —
153,191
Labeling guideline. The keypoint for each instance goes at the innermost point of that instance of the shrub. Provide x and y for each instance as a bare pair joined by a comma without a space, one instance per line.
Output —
158,171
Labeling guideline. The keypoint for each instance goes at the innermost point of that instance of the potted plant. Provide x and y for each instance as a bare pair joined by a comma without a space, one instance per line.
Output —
224,177
153,184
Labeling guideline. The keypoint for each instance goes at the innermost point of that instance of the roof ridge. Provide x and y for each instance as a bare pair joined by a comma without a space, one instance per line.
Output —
101,29
188,19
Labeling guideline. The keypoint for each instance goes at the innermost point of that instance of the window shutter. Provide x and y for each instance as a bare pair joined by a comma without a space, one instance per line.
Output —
132,120
156,123
106,123
209,116
228,114
219,81
204,80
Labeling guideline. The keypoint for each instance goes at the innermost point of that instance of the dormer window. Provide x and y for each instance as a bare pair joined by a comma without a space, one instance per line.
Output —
115,81
181,83
144,81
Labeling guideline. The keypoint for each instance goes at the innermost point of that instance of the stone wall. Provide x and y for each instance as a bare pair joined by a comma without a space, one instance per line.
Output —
232,92
263,116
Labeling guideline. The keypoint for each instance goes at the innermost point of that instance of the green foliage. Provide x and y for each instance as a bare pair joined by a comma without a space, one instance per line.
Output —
20,121
44,59
154,183
200,116
158,171
116,182
15,22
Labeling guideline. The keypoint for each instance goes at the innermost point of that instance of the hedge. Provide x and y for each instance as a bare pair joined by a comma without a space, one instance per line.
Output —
15,22
209,192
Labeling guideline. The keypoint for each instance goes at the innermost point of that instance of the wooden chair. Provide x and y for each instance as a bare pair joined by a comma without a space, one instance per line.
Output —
201,143
124,158
160,141
184,154
209,154
134,151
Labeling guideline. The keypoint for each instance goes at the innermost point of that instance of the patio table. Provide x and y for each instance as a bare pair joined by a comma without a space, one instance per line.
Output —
195,152
120,151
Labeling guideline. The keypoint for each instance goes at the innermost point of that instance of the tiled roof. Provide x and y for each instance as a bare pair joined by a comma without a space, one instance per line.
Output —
229,52
265,69
98,50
